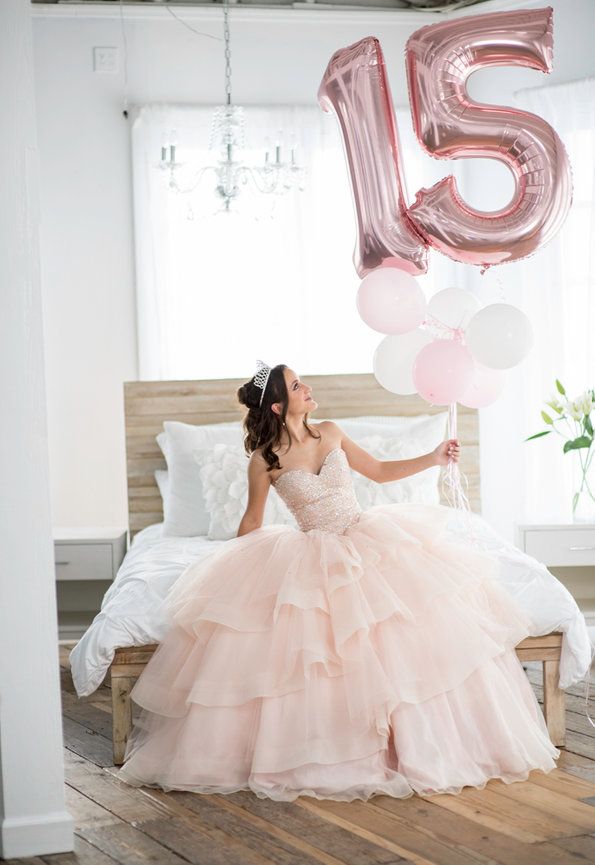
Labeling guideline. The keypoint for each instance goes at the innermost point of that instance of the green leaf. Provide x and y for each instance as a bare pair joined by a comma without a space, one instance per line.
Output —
588,425
538,435
560,388
546,418
577,444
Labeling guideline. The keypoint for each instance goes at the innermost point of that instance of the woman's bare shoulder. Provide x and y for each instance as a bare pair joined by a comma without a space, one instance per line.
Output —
257,459
258,467
330,428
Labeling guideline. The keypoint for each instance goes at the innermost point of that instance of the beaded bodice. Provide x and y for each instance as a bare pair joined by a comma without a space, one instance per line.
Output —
325,501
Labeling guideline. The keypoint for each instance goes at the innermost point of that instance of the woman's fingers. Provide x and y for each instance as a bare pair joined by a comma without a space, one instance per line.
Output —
453,449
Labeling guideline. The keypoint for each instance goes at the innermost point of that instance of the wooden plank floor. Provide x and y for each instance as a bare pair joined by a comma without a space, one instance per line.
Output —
547,820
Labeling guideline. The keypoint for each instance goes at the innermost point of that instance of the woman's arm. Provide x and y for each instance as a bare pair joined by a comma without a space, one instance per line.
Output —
394,470
384,471
259,484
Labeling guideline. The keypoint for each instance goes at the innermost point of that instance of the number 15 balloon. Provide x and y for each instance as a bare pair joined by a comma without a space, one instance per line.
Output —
449,125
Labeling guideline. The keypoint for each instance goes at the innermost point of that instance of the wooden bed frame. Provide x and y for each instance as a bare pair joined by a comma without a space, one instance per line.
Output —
147,404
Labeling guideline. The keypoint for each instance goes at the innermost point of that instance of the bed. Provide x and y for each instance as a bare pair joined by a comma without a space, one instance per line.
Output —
130,624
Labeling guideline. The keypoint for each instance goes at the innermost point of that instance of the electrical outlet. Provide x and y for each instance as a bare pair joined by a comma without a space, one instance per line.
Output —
105,59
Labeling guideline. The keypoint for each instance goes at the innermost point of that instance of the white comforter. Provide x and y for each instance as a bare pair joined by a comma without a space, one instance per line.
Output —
132,613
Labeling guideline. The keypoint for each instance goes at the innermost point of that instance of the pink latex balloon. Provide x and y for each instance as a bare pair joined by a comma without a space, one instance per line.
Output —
485,387
442,371
390,301
440,59
355,87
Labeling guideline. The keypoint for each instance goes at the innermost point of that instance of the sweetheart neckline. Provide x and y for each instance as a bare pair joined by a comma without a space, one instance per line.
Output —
314,475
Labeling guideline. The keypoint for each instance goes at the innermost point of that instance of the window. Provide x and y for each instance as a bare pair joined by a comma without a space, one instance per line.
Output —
217,291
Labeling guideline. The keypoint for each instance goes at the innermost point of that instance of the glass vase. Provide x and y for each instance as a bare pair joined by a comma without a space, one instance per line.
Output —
583,499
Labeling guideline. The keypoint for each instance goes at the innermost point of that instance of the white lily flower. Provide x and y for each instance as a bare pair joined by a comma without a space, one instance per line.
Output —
586,402
575,409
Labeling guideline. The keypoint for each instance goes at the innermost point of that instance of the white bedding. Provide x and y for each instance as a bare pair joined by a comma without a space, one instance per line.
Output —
132,614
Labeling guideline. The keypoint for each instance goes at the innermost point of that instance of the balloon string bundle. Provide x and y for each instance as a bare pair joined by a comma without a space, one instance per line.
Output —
452,479
452,488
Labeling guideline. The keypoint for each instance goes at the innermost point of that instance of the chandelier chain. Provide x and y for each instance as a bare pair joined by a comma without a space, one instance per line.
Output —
275,176
226,36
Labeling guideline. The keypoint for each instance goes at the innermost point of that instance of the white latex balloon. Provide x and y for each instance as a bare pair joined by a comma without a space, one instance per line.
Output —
393,360
453,306
499,336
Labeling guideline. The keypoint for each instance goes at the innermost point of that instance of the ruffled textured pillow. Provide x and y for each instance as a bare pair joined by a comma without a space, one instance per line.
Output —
223,472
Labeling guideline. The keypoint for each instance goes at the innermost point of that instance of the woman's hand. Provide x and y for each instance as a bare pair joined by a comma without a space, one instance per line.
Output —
447,451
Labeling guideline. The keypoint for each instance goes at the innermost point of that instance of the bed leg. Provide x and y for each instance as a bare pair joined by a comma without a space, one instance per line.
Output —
554,702
121,714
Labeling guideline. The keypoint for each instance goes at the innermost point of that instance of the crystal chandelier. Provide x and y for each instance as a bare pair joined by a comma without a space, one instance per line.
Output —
276,175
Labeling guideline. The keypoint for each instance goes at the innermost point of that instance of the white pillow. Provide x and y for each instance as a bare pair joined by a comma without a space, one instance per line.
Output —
223,473
421,434
423,425
185,513
162,478
420,487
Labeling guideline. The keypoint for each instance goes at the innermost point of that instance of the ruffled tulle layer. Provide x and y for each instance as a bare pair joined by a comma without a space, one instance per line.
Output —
339,666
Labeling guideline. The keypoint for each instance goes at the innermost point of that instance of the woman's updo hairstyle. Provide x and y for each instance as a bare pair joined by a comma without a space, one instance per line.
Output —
262,426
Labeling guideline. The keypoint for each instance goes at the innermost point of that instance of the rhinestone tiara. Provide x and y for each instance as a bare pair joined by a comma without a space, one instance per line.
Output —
261,377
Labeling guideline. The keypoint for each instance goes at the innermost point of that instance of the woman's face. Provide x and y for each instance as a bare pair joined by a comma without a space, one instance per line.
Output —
299,394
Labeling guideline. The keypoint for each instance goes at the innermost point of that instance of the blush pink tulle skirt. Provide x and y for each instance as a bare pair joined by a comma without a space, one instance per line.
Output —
339,666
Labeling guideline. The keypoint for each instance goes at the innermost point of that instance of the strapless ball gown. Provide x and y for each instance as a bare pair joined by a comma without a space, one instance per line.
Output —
365,652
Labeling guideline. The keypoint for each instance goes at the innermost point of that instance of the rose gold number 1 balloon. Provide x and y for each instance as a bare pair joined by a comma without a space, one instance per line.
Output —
356,88
449,124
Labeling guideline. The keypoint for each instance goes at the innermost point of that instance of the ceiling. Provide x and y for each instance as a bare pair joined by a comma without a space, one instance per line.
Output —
420,5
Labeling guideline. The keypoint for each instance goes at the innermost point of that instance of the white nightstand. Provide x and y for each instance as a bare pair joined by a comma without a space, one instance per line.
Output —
568,551
87,560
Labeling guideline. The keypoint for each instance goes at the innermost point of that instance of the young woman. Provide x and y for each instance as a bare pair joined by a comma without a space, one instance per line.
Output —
365,652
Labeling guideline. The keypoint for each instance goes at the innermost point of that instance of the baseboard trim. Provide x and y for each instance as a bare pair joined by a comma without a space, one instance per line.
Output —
36,835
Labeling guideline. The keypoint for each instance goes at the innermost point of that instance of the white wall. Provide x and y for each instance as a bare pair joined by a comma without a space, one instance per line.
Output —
278,56
33,818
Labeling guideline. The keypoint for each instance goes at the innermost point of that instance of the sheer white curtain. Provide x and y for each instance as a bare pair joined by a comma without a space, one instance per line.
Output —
555,287
216,292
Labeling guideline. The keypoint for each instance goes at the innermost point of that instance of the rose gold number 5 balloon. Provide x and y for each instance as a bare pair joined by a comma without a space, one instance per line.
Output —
449,124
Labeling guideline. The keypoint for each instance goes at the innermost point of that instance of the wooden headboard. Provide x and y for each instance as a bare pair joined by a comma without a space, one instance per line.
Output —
147,404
